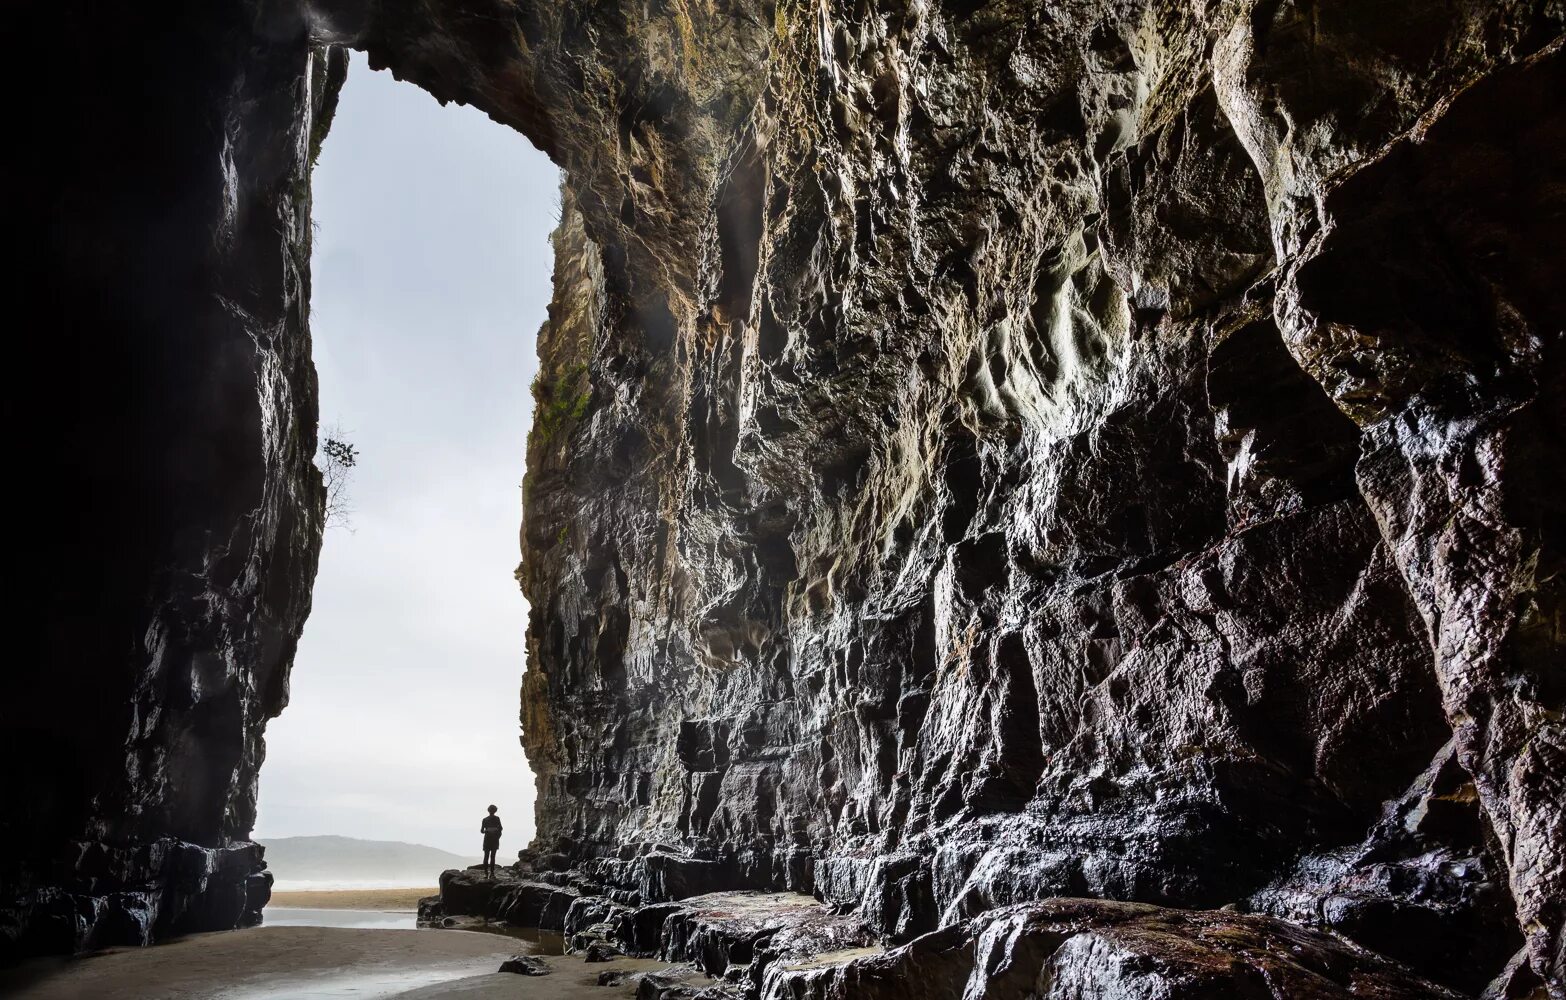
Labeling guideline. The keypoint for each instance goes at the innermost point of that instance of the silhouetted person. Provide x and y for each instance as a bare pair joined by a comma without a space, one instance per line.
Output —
490,828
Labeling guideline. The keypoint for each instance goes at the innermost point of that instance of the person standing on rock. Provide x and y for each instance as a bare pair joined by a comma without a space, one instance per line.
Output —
490,828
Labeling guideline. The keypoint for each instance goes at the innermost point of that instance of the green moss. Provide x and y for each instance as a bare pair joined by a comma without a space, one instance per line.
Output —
560,403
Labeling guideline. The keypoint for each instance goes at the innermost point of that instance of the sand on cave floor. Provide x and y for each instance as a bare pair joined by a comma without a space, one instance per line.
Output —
351,899
320,963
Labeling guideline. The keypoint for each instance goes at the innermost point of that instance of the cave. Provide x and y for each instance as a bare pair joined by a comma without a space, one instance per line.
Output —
1052,499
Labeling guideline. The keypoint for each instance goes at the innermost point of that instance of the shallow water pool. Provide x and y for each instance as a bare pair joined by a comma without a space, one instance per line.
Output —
300,916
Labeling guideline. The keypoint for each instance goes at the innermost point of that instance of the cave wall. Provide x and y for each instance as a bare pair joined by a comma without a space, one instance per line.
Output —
996,451
984,452
163,407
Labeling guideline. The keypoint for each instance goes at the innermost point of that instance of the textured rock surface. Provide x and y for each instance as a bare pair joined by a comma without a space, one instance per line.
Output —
990,452
165,419
526,965
1087,948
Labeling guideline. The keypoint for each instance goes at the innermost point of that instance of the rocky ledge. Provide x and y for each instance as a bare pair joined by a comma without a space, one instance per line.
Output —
101,896
788,946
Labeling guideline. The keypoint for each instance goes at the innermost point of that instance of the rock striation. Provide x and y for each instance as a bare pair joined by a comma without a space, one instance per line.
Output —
990,456
995,452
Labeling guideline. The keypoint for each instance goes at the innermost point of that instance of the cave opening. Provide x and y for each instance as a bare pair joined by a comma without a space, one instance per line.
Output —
431,264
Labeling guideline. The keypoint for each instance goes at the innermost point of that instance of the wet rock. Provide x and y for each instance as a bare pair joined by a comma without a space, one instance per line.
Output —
752,929
666,987
1070,948
136,897
586,912
656,987
1424,885
470,891
642,931
526,965
431,913
535,904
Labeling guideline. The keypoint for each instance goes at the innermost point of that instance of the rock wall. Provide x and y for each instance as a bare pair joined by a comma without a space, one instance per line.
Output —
162,416
985,452
995,451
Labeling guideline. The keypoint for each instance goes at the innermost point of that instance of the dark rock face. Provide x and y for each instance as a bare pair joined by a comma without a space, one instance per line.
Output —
994,452
166,421
1089,948
989,453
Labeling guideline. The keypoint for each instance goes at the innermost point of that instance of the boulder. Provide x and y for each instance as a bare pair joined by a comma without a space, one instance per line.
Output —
526,965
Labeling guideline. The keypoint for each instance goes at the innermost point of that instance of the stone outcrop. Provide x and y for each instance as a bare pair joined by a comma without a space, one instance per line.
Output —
787,946
1090,948
992,453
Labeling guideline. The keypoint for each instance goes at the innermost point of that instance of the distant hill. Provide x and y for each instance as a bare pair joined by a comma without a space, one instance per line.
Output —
348,859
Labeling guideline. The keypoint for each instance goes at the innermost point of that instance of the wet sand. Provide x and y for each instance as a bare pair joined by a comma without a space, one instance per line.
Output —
286,963
352,899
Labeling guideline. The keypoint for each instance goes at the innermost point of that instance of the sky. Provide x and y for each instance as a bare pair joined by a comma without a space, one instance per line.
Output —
431,277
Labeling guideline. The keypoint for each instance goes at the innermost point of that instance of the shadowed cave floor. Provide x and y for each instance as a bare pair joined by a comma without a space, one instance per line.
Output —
286,963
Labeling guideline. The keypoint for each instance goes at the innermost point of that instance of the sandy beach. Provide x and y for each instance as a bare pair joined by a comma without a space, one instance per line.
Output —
352,899
288,963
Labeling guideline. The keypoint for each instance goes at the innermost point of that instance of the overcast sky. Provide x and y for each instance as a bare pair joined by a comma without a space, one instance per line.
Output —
432,269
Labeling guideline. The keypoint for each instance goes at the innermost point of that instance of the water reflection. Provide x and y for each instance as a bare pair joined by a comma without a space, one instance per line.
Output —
542,942
299,916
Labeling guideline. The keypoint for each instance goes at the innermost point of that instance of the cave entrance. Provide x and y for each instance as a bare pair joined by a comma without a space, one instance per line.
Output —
432,273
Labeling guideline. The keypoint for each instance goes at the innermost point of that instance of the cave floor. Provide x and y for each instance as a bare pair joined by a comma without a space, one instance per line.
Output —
273,963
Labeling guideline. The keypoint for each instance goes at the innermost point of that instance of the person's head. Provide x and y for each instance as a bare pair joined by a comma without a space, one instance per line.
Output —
493,810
